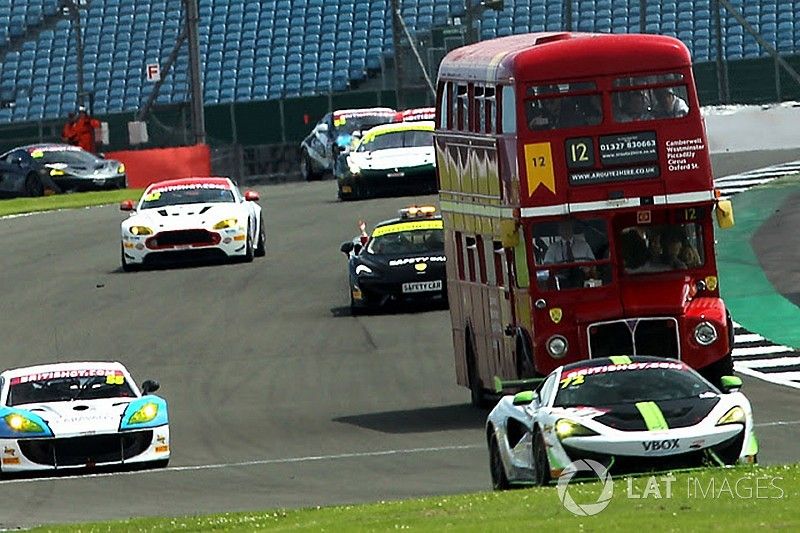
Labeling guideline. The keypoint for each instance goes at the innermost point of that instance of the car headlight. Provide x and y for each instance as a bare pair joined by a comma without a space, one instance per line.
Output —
567,428
227,223
121,168
140,230
145,414
705,333
21,424
363,269
56,172
557,346
734,416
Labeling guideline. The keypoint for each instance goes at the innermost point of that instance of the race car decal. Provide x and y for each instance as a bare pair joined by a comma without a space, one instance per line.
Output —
408,226
410,260
189,187
661,445
652,415
625,367
81,373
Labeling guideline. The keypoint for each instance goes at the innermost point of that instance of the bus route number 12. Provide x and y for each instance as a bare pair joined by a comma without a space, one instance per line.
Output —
580,152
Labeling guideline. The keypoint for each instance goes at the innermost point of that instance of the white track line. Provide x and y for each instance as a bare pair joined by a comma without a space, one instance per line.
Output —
258,462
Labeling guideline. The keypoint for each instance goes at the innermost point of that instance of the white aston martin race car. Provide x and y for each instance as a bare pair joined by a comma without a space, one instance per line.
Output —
630,414
194,218
80,415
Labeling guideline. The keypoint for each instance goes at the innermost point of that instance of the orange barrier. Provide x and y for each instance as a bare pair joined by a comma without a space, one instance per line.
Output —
156,164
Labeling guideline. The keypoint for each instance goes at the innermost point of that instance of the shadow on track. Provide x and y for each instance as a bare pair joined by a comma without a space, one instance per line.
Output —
390,309
427,419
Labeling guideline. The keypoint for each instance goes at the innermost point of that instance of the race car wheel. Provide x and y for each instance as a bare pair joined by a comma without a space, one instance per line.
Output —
261,248
539,462
126,267
498,471
306,169
33,185
249,251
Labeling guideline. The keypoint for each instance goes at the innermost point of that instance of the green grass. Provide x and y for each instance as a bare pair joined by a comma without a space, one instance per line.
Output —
15,206
695,505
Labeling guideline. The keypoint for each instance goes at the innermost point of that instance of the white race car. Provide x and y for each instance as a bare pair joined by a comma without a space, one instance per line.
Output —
629,414
193,218
80,415
390,158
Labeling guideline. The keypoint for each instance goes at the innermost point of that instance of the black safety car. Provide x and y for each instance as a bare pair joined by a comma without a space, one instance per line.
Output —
402,260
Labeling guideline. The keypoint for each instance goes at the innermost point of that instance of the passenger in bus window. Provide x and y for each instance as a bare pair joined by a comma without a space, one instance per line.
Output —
632,106
544,114
668,104
568,248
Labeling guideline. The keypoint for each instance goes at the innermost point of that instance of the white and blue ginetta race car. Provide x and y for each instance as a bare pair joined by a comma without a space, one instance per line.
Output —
630,414
80,415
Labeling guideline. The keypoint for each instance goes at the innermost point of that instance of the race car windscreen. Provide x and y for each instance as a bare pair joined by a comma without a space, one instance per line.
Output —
397,139
73,158
419,241
362,123
186,195
69,389
608,387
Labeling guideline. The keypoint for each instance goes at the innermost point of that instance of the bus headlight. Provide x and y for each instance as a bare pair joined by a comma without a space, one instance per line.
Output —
557,346
705,333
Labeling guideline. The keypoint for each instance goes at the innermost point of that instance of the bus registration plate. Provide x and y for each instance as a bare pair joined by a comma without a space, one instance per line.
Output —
422,286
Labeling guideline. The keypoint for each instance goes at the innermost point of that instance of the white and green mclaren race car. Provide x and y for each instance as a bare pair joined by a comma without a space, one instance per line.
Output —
391,158
630,414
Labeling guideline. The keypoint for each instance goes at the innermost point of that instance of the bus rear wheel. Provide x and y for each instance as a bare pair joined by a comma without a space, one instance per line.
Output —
477,394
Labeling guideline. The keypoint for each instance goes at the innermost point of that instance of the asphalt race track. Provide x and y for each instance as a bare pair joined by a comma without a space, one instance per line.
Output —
278,397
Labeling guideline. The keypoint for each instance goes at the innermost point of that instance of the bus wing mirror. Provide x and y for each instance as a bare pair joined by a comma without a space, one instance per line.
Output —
509,236
725,214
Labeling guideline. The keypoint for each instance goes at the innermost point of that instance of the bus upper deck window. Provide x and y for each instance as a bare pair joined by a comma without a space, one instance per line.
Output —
650,97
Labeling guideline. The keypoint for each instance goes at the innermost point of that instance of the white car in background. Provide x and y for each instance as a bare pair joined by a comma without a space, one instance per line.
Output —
67,416
191,219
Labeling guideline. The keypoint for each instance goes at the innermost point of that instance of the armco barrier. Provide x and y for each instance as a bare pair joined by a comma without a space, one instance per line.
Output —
147,166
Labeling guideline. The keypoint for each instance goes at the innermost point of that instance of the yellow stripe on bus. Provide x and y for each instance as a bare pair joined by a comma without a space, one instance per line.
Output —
408,226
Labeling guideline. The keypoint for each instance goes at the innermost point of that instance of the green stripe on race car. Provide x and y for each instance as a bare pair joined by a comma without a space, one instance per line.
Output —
620,359
653,417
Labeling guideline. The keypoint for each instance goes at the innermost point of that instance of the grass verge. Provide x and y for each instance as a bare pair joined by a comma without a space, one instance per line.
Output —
746,499
15,206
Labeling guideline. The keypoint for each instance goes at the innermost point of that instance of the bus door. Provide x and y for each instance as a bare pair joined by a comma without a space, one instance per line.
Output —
572,282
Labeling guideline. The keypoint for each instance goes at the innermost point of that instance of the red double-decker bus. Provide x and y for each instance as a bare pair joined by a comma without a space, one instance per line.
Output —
577,195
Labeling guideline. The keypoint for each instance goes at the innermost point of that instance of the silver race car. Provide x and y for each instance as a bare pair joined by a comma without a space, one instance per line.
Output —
630,414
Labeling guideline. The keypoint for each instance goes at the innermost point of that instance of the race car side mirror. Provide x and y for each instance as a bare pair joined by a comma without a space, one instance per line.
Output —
524,398
149,386
251,196
347,247
126,205
730,383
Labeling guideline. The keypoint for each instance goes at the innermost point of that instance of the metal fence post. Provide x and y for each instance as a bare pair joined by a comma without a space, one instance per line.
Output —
567,15
642,16
283,120
723,90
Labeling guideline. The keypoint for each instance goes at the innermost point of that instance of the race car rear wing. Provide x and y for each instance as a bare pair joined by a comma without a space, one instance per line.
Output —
501,385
